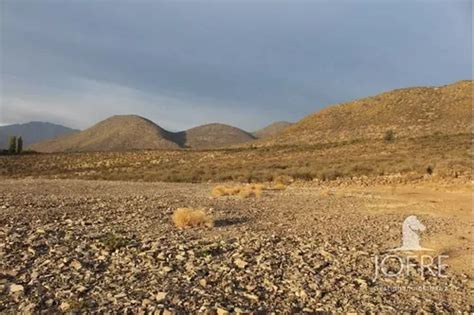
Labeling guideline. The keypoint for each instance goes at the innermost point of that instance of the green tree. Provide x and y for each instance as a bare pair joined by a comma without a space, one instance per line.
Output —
19,145
12,146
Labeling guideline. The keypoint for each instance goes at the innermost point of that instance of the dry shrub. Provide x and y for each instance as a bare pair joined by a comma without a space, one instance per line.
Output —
257,186
252,190
326,192
279,186
283,179
188,217
219,191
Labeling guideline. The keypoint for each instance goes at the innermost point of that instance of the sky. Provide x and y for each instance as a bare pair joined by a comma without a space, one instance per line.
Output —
245,63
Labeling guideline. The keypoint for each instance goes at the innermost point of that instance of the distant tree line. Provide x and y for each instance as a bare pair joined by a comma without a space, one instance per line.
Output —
15,145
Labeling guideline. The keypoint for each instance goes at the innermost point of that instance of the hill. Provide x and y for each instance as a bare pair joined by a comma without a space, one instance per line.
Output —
215,135
117,133
410,112
272,129
32,132
131,132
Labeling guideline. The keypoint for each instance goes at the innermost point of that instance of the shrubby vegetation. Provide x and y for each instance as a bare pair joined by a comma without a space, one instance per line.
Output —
15,146
189,217
447,155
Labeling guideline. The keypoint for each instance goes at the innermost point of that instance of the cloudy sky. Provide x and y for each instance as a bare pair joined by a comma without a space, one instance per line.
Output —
245,63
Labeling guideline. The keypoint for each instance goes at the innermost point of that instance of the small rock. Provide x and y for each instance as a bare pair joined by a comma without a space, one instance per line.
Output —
240,263
15,288
167,269
251,296
160,296
64,306
221,311
76,264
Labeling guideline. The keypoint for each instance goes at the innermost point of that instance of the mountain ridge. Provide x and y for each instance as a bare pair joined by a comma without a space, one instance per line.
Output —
33,131
407,112
272,129
133,132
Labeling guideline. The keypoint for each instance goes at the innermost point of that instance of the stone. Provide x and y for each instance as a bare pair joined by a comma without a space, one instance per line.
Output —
64,306
222,311
16,288
76,264
240,263
160,296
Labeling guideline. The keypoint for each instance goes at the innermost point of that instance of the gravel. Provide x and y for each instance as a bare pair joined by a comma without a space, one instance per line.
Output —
96,246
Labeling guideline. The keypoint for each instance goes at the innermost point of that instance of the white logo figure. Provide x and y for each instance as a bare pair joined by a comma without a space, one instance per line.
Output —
410,239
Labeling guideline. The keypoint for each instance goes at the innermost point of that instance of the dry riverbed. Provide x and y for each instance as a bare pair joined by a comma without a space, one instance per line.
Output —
73,245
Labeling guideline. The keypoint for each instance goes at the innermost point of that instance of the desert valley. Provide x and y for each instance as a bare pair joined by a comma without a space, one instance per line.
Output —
128,217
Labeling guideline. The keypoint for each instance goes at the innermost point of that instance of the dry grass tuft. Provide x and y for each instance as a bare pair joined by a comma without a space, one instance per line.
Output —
220,191
189,217
285,180
326,192
279,186
249,191
252,190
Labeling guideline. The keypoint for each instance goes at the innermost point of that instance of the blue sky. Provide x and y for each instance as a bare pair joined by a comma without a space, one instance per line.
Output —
245,63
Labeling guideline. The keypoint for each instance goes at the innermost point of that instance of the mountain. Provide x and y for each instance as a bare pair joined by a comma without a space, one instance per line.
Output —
408,112
272,129
131,132
215,135
32,132
117,133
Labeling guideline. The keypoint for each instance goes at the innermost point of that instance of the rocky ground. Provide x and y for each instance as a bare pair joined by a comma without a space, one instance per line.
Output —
72,245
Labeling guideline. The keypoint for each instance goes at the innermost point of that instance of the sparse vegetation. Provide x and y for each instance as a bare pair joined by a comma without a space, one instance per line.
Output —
15,146
220,191
279,186
429,170
389,135
282,179
450,153
19,145
253,190
189,217
12,145
113,241
243,191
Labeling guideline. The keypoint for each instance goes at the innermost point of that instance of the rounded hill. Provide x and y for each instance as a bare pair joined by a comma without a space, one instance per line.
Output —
215,135
117,133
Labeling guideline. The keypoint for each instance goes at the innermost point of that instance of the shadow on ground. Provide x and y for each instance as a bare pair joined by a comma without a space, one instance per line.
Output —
229,221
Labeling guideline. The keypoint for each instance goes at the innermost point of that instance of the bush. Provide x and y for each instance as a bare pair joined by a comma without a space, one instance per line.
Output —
113,241
189,217
254,190
251,190
429,169
279,186
330,175
282,179
12,145
389,135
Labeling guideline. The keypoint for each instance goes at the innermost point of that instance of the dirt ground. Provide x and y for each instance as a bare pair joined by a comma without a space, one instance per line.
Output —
70,245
